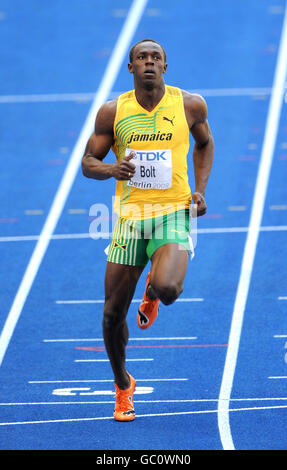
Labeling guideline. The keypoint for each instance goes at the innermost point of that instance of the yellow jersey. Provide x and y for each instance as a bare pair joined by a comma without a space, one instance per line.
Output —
160,141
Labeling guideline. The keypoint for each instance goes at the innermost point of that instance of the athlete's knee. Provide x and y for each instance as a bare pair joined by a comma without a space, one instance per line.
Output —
113,316
109,321
168,291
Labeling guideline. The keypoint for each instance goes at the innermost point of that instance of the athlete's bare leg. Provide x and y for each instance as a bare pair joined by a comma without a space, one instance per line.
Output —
120,284
169,263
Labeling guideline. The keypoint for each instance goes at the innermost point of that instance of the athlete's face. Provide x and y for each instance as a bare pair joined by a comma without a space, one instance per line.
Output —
148,64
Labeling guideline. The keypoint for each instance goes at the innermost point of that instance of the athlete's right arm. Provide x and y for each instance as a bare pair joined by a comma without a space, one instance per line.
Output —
99,145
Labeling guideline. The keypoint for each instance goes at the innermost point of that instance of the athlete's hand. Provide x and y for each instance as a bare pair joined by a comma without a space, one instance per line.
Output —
199,207
124,169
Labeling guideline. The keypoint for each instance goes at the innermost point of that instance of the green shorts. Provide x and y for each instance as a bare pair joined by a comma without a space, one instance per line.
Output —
134,241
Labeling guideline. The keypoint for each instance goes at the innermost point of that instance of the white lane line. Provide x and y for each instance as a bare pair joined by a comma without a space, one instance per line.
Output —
64,236
101,381
156,338
101,301
89,96
278,207
271,130
76,236
68,178
34,212
190,299
107,360
150,415
86,391
47,98
237,208
278,377
77,211
92,402
108,402
282,298
217,92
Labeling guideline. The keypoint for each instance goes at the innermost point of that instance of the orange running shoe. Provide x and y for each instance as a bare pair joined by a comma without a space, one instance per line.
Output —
148,309
124,409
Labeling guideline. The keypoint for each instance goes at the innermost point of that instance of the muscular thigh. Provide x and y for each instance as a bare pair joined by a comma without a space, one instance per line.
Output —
120,284
169,264
170,248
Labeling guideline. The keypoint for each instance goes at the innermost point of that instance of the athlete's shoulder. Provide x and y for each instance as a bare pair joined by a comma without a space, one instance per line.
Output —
109,107
193,99
106,116
195,106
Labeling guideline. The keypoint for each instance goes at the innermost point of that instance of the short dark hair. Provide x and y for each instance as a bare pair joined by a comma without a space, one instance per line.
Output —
145,40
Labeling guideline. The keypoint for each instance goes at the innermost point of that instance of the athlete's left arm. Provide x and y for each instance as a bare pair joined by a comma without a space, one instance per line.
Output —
203,151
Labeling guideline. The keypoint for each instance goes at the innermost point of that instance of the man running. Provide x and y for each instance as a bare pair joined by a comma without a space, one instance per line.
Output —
148,130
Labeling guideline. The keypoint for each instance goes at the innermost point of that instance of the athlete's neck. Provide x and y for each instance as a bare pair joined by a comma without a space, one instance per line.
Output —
149,98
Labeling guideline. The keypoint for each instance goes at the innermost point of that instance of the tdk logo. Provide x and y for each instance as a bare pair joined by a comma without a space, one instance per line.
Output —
150,156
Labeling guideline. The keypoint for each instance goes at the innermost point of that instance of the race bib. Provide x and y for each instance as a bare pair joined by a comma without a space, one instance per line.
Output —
153,169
